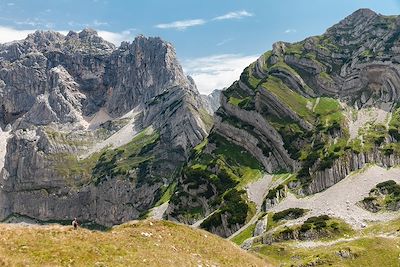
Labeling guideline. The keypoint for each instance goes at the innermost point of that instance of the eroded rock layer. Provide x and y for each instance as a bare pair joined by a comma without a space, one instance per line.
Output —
320,108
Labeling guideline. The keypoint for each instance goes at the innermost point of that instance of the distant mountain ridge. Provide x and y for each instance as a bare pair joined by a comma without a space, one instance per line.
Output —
212,101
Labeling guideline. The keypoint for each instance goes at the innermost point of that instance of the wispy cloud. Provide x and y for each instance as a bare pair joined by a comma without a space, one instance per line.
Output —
234,15
291,31
99,23
10,4
184,24
35,22
94,24
217,71
75,24
225,41
181,24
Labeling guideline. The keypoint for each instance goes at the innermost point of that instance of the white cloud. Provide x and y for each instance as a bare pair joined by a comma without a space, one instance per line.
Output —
117,37
217,71
8,34
10,4
290,31
35,22
181,24
234,15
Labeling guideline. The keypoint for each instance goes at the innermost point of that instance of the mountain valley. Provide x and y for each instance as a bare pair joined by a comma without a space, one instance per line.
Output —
296,162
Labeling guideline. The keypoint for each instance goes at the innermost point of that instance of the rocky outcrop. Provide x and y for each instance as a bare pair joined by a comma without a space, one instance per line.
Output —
274,196
62,95
384,196
346,164
225,229
261,226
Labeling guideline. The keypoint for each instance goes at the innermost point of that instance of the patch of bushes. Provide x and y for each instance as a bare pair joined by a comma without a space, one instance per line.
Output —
318,223
212,221
391,187
233,206
392,191
292,213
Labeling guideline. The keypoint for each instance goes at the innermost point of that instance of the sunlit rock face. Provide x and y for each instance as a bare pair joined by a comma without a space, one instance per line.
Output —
92,130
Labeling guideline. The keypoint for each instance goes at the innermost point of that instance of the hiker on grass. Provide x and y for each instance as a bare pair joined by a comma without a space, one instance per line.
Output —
75,223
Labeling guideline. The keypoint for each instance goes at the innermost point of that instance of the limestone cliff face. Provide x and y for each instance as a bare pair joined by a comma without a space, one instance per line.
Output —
319,108
95,132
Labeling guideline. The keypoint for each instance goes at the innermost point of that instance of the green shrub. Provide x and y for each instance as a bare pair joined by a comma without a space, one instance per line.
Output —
390,186
292,213
314,220
305,227
233,206
320,224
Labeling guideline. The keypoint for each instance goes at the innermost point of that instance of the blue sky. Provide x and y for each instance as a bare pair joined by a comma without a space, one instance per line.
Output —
214,39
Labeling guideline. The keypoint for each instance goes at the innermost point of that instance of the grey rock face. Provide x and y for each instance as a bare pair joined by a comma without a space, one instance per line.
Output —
52,89
261,226
212,101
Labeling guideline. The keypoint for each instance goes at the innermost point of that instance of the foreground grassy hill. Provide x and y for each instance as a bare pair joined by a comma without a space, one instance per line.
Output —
144,243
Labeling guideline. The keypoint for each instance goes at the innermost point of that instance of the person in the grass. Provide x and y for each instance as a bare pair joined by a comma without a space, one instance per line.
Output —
75,223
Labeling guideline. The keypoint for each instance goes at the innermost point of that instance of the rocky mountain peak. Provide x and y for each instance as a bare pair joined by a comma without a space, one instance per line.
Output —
71,98
87,33
41,41
356,21
362,12
91,36
40,36
163,49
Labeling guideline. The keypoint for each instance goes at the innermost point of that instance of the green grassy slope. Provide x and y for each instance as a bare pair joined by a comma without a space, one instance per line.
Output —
377,245
144,243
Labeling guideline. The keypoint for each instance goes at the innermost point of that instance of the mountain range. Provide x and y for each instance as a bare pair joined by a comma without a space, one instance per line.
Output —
298,148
